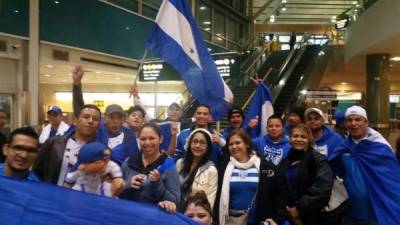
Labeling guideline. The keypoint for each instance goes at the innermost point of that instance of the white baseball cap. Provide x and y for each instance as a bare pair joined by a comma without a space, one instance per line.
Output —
316,110
356,110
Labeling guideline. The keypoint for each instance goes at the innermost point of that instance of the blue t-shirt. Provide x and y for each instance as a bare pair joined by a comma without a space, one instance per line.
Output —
243,186
30,176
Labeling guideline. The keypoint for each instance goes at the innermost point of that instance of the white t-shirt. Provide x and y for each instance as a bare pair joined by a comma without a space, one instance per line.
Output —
93,183
114,141
69,158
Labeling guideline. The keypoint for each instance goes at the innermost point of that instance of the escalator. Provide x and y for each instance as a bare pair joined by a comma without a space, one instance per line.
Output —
295,78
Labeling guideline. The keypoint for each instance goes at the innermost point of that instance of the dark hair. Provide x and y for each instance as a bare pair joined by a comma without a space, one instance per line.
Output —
203,105
188,160
199,198
244,136
174,105
235,109
153,126
89,106
275,116
134,109
26,131
306,130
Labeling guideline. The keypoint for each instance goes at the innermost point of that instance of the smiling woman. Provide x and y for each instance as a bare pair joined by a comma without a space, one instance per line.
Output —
309,178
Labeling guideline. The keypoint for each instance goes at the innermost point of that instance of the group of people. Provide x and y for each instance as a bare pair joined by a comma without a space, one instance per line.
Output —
302,171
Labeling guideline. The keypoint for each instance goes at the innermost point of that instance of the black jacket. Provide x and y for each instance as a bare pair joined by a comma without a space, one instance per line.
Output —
312,185
271,196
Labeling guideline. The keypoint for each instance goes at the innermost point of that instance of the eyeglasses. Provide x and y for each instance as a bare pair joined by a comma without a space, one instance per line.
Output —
198,142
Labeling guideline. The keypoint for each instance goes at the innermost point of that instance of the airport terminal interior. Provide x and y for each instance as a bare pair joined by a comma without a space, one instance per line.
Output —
329,54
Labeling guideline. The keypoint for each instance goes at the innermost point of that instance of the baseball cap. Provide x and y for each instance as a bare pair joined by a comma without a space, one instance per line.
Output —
114,108
340,116
175,105
55,109
235,109
90,152
356,110
315,110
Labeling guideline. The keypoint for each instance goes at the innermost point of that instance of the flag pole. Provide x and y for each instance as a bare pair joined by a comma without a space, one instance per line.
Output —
140,66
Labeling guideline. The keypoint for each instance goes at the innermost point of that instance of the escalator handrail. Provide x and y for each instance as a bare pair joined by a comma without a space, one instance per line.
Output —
260,54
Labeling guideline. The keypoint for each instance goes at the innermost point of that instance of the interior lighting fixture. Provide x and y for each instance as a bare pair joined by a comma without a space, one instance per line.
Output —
47,75
343,83
49,66
333,19
284,1
283,9
354,2
56,2
282,82
303,92
207,29
207,22
272,19
203,8
396,58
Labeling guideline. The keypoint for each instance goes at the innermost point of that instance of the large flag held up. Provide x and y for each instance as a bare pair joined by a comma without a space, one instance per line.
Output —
260,106
177,40
35,203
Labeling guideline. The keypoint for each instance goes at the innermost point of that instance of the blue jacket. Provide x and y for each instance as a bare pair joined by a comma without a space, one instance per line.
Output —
328,142
270,151
167,188
216,154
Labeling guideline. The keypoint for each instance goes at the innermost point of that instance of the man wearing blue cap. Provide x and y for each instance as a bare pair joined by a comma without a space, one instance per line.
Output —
56,124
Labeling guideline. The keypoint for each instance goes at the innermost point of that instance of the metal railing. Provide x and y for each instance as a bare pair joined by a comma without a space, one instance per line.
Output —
253,93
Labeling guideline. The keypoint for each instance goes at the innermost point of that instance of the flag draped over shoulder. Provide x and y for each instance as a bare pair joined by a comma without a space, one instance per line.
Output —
261,106
177,40
34,203
381,172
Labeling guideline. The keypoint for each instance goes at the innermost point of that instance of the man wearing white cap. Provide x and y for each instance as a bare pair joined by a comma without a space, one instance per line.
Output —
370,171
56,124
325,138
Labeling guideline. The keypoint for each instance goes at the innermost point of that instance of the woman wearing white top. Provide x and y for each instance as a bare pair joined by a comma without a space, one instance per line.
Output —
196,171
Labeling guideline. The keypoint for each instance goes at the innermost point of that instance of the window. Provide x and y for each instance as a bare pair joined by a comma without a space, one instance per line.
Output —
219,28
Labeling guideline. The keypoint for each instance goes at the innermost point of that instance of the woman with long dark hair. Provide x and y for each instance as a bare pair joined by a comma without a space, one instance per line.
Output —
196,170
150,175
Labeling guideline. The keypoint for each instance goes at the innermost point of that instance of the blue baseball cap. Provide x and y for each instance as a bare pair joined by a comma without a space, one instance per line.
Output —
55,109
90,152
340,117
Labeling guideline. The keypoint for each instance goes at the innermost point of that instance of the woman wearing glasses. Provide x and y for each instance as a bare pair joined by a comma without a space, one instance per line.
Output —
196,171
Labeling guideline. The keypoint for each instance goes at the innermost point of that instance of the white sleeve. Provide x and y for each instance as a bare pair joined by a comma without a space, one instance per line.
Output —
114,170
72,177
138,102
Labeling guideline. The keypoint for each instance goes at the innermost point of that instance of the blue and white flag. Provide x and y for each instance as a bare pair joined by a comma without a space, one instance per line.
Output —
177,40
35,203
261,106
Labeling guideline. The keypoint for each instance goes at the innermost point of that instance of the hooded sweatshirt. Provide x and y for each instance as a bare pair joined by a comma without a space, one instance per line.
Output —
272,151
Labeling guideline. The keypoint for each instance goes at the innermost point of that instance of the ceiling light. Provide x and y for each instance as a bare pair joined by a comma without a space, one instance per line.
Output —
333,19
284,1
16,11
98,72
396,58
284,9
47,75
207,29
272,19
49,66
203,7
207,22
354,2
303,92
56,2
343,83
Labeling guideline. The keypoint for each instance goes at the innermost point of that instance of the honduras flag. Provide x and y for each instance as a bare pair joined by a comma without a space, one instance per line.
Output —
381,172
261,106
177,40
35,203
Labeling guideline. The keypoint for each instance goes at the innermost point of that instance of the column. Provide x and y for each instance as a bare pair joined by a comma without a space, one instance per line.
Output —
33,67
377,89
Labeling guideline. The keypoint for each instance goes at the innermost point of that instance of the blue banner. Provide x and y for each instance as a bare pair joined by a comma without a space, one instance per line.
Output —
24,202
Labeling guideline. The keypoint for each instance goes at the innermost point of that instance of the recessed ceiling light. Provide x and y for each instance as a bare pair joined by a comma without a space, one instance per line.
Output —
284,9
203,8
354,2
98,72
47,75
396,58
284,1
343,83
56,2
16,11
50,66
207,22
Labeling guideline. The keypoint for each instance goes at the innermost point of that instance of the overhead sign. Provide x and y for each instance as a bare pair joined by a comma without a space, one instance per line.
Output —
98,103
321,95
227,65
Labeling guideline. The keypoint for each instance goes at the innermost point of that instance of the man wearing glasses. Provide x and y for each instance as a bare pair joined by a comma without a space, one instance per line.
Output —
20,152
